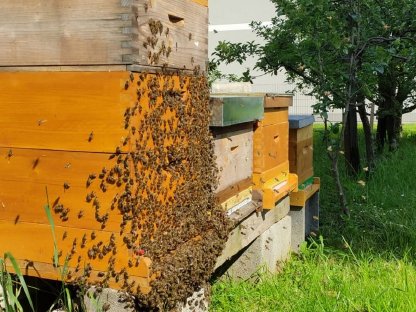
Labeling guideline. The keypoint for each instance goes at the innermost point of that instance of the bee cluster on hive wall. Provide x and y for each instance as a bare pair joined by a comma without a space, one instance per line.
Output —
164,172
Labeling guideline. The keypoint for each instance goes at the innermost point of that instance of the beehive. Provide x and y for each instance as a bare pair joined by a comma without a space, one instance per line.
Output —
117,145
271,178
301,146
232,127
104,32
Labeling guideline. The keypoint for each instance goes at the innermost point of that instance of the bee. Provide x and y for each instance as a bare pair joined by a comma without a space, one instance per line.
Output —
103,186
91,136
66,185
64,235
10,153
35,163
88,198
91,177
190,36
93,235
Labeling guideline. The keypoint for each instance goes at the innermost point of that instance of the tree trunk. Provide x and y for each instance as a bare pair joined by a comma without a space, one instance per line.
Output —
381,133
352,153
367,136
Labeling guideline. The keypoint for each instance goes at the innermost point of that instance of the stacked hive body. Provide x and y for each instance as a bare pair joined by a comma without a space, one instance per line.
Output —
301,147
232,123
305,202
101,121
271,178
251,135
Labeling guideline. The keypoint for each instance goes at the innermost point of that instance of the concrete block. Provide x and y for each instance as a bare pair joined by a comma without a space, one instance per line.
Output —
108,300
198,302
250,228
267,251
298,227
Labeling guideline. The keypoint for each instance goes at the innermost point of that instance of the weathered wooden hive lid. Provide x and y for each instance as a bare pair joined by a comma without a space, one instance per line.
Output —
300,121
231,109
276,100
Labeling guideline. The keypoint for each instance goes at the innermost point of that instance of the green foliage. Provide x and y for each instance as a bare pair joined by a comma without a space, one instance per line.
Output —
11,287
327,45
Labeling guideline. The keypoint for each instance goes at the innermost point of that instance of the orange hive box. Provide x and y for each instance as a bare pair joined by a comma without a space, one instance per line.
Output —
124,161
271,177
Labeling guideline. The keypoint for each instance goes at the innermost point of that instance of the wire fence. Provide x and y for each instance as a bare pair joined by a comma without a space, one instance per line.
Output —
302,104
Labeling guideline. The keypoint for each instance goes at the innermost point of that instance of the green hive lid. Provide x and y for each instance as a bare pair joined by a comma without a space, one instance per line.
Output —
230,109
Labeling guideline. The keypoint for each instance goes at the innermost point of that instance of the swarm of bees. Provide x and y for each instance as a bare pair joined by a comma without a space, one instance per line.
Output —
165,175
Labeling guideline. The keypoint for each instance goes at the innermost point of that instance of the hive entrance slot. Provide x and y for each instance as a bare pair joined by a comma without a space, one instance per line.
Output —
174,19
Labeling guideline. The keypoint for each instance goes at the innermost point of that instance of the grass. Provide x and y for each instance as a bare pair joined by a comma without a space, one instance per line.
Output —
361,263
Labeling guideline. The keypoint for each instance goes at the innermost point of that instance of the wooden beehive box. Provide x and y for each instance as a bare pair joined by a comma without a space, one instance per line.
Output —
102,124
271,177
161,33
81,148
232,128
301,146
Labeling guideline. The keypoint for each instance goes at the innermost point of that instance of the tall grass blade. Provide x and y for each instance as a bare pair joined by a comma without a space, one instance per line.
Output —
50,220
19,274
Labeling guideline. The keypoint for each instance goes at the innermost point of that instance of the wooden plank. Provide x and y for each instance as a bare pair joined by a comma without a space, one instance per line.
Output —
201,2
59,110
274,115
250,228
234,190
299,198
64,32
279,174
234,156
301,152
243,196
29,171
65,114
270,146
297,135
67,68
272,191
278,100
22,249
180,39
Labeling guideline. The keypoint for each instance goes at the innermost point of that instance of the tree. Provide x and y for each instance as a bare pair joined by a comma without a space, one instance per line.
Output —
338,51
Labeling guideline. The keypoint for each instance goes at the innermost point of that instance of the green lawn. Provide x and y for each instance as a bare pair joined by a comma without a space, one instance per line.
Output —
361,263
